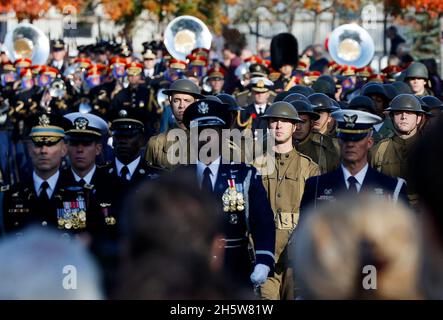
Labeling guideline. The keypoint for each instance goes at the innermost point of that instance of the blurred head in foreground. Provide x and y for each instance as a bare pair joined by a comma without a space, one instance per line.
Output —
41,265
358,249
172,240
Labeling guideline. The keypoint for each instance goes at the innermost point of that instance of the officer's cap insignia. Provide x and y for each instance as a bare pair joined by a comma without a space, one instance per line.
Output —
81,123
43,120
260,84
123,113
203,108
350,120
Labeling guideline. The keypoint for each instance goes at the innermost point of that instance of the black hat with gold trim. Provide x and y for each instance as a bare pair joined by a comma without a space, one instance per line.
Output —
354,125
128,122
85,127
47,129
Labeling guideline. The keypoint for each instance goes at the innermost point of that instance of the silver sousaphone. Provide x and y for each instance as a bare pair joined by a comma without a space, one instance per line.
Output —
27,41
185,33
352,45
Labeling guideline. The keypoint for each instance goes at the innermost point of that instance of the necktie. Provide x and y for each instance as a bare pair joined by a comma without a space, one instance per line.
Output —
352,185
81,182
206,183
124,172
43,193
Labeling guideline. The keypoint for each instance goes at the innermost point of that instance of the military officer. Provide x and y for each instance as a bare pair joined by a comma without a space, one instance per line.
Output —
324,107
354,176
284,171
239,190
46,198
417,76
216,79
390,156
58,56
315,145
137,95
250,117
181,94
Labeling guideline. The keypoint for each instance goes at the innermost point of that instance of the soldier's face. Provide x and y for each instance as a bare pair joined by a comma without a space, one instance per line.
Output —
134,80
355,151
281,129
261,97
149,63
302,128
83,153
179,103
286,70
59,55
47,158
379,103
127,148
321,125
217,84
417,85
405,122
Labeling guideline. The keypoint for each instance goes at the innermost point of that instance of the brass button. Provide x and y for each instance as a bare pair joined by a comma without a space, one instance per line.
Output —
282,163
287,156
280,178
279,195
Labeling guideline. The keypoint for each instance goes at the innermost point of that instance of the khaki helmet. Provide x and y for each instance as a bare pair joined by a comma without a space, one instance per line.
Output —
406,102
282,109
184,86
417,70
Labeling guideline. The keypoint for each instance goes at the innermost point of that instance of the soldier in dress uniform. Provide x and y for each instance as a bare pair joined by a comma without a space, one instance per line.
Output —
417,76
320,148
58,53
216,80
249,118
390,156
46,198
181,94
355,175
138,96
239,188
284,171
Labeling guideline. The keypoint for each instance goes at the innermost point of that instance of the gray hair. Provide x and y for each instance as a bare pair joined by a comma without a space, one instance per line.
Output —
43,264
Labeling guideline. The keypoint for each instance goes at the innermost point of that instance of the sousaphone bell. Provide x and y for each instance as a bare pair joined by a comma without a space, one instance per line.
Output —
352,45
27,41
185,33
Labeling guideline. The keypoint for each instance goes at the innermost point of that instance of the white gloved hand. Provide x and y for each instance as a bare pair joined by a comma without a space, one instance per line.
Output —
260,274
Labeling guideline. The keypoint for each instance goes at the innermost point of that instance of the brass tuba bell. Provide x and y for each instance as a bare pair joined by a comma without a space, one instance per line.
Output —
185,33
352,45
26,41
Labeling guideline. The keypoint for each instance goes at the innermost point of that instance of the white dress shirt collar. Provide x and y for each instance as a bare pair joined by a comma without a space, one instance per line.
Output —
87,178
132,166
360,176
378,126
260,108
213,166
52,181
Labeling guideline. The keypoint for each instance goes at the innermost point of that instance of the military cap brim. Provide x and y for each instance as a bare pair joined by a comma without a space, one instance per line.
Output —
354,125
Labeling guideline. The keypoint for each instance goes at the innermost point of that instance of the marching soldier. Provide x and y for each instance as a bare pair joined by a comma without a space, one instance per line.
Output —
46,198
284,172
58,56
181,94
249,118
137,95
216,80
354,176
417,76
240,191
324,107
390,156
320,148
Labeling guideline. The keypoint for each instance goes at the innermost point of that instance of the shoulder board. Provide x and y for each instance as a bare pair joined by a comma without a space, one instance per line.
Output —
4,188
